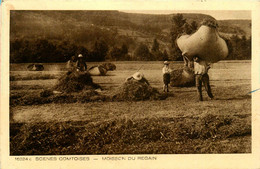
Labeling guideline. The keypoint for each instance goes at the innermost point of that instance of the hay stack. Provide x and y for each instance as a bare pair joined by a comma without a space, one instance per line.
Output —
101,70
109,66
183,77
35,67
97,71
74,81
134,90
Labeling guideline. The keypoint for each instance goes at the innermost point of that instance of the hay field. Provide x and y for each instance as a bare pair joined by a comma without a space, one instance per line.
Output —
180,124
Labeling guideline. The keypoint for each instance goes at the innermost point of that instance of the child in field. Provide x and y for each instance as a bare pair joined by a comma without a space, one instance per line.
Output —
166,76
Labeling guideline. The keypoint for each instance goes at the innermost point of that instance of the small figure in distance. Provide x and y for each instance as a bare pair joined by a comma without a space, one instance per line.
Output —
166,76
81,64
201,68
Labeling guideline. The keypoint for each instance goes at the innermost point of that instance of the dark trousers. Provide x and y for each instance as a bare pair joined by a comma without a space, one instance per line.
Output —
166,81
205,80
81,65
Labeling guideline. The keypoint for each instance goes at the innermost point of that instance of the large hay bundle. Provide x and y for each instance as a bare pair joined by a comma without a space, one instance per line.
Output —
183,77
97,71
109,66
101,70
134,90
74,81
205,43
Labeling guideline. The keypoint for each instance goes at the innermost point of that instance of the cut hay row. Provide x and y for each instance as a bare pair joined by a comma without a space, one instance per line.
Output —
47,96
33,77
79,87
126,136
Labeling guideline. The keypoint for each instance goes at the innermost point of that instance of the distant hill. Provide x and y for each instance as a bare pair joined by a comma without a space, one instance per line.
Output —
239,27
115,27
54,24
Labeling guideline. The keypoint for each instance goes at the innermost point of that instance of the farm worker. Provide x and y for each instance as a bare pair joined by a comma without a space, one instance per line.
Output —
166,76
81,65
70,63
201,68
139,77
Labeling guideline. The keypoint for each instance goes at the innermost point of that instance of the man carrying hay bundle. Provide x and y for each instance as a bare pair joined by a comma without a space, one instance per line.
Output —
206,43
201,68
166,76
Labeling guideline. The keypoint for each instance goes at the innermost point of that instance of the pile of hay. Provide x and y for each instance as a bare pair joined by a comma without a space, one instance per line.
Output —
134,90
35,67
183,77
74,81
71,88
109,66
205,43
101,70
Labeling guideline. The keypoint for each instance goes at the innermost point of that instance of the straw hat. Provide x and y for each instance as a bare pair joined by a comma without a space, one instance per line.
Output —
138,76
80,56
166,63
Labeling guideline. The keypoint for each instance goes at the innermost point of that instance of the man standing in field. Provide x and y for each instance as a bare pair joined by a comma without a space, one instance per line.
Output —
201,68
166,76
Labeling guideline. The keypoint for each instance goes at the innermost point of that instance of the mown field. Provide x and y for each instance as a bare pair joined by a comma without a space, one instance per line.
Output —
180,124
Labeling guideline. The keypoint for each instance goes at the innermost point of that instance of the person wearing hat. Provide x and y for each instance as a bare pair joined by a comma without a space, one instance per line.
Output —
81,64
139,77
201,68
166,76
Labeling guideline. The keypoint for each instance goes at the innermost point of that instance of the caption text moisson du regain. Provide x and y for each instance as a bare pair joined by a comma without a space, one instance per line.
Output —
105,158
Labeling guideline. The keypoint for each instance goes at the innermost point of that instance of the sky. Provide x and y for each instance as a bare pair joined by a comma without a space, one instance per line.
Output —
219,15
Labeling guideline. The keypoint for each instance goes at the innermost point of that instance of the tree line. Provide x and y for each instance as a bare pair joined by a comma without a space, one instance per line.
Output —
44,50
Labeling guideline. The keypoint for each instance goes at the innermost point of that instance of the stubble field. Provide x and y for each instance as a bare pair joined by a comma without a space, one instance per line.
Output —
180,124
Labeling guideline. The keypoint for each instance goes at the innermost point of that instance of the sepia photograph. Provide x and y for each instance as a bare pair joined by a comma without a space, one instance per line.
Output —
129,84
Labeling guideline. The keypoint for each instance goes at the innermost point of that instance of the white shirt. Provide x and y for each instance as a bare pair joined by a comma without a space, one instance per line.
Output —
166,69
201,67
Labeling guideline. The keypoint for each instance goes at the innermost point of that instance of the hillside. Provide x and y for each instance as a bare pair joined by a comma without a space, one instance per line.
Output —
58,24
239,27
114,27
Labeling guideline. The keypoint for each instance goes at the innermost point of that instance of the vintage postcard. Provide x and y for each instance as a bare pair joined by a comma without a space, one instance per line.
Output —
130,84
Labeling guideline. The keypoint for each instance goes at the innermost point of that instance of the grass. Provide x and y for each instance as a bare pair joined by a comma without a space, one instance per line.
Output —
177,125
127,136
36,76
47,96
